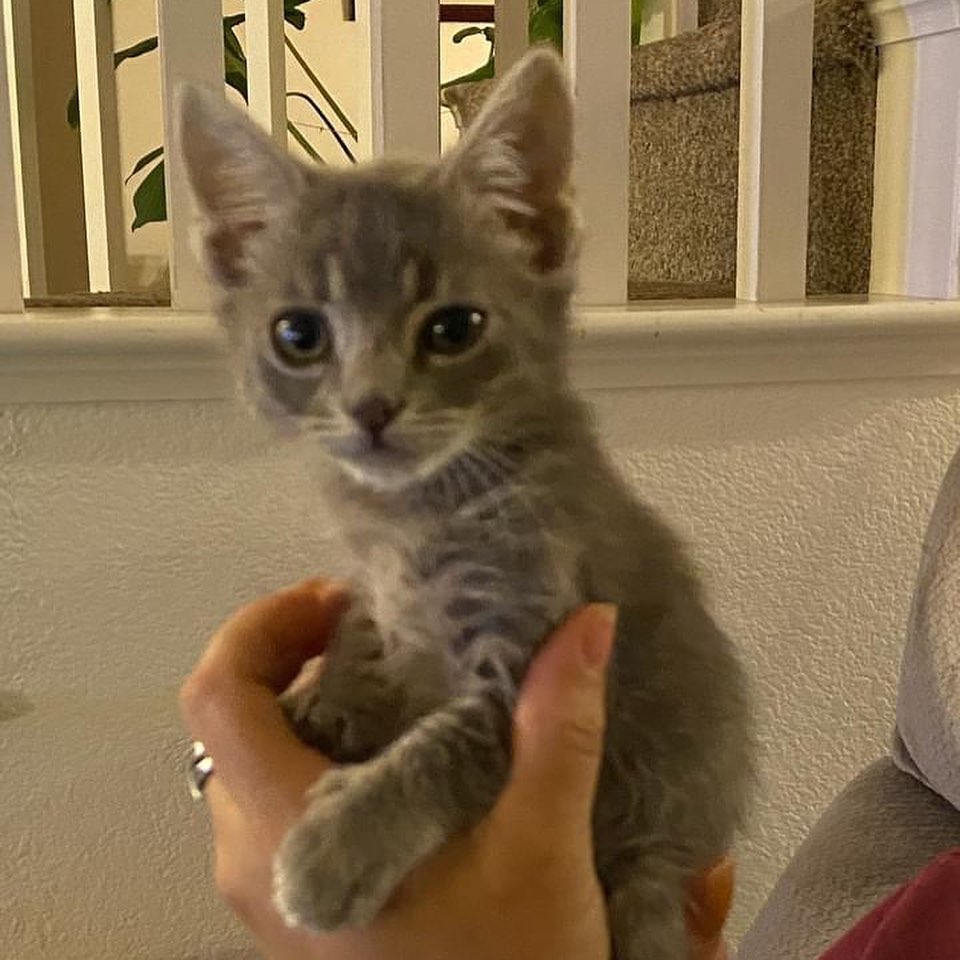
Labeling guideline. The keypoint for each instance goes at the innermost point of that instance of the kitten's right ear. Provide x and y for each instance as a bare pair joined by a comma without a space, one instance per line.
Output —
242,181
516,158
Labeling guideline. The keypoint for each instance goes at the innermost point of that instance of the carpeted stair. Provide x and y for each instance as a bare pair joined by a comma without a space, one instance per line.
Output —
684,95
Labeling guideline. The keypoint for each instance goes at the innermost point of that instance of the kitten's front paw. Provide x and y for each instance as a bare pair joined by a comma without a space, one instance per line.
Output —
349,715
337,866
336,731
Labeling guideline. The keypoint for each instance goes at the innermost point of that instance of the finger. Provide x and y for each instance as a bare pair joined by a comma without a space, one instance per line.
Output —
238,859
558,729
244,876
268,641
710,899
225,817
229,702
263,766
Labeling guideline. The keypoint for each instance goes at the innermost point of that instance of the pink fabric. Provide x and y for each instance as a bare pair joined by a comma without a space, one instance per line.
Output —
920,921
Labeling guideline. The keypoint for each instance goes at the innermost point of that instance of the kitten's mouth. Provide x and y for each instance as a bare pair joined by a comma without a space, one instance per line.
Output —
382,465
365,450
392,461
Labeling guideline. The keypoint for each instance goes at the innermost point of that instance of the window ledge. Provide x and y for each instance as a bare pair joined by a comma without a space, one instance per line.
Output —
63,356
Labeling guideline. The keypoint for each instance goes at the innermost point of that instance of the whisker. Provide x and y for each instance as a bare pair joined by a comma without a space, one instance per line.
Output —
325,429
437,416
429,431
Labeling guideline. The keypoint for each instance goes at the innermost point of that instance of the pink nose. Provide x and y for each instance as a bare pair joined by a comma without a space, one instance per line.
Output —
375,413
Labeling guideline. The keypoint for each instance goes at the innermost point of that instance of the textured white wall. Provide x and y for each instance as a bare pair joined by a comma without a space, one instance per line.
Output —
128,530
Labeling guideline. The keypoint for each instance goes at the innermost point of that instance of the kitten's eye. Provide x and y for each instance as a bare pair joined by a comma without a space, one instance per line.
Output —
301,337
452,330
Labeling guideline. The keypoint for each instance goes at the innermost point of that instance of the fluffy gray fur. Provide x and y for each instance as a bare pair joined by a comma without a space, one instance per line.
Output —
476,519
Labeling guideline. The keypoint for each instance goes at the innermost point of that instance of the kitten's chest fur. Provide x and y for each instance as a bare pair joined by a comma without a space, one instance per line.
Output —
444,578
460,599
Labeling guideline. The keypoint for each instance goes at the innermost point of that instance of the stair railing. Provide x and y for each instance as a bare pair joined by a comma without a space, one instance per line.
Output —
916,246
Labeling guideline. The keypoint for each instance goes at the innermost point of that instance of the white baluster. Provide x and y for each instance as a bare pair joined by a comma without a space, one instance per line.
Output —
11,289
24,129
400,54
916,196
513,17
597,47
191,51
100,145
776,77
267,66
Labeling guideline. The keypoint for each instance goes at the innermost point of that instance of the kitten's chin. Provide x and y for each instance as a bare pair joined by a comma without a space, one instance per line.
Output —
381,477
392,469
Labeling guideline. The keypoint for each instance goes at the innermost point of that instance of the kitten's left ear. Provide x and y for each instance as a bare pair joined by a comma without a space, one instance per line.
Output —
516,157
243,182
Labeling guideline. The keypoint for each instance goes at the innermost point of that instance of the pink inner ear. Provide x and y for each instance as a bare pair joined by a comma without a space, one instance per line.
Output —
548,230
227,250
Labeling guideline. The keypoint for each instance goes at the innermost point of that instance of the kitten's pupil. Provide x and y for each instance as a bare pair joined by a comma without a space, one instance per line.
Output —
301,337
452,330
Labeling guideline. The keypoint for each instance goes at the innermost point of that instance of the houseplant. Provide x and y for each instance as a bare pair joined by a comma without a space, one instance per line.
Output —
545,26
149,198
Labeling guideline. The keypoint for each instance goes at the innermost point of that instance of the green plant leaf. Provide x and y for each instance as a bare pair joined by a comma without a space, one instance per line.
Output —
143,161
488,34
128,53
296,18
295,132
462,35
321,89
137,50
232,48
636,20
73,110
485,72
331,129
546,24
234,61
150,199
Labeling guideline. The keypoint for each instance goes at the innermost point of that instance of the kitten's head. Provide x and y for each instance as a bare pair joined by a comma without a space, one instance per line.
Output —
400,314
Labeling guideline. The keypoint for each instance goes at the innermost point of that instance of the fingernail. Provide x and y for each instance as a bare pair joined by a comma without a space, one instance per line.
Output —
599,634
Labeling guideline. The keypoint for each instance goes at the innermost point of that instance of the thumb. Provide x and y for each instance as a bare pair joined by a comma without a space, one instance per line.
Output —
558,728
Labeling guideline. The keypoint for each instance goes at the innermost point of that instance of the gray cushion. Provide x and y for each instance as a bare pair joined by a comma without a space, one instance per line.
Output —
903,810
928,703
879,832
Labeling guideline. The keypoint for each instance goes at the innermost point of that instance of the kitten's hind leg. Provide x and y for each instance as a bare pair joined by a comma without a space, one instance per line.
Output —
648,913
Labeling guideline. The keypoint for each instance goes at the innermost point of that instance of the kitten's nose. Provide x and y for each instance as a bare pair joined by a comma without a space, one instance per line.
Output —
374,413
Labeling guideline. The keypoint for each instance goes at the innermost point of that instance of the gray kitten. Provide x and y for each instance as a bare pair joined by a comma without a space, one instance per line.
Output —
410,322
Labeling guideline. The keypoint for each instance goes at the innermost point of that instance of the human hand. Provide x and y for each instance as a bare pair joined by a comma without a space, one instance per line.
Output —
521,885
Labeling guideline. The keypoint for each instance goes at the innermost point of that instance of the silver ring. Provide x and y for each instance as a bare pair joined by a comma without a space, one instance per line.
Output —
199,768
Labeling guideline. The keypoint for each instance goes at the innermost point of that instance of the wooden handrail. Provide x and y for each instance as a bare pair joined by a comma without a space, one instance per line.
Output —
449,12
466,13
